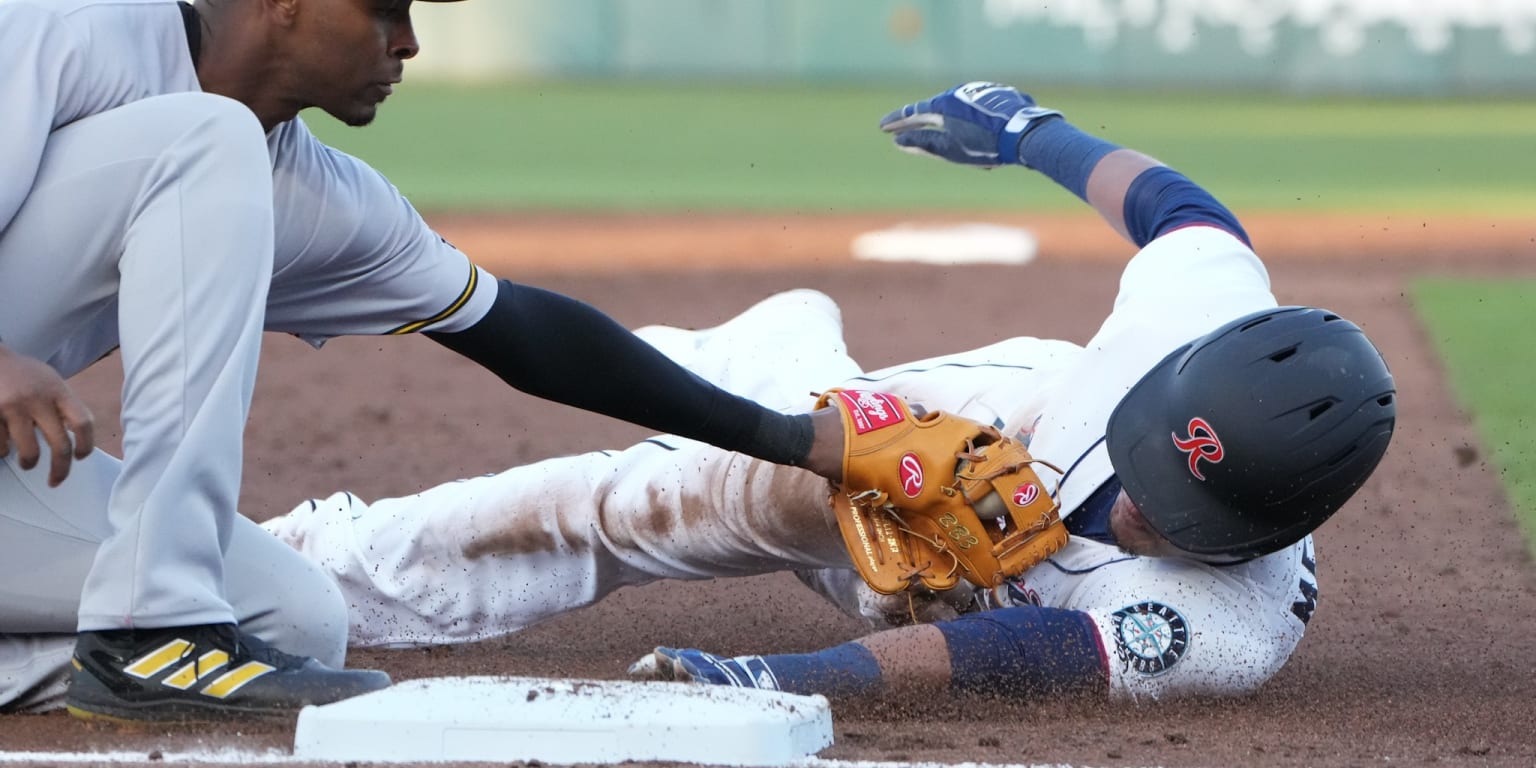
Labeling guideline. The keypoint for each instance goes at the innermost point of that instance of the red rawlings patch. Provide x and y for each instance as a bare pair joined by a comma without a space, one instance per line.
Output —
911,475
871,410
1025,494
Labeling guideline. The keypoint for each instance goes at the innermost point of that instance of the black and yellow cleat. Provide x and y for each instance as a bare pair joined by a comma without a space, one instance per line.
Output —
201,673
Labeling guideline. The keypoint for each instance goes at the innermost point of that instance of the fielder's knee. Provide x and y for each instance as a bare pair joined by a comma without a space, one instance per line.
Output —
219,158
209,138
208,114
312,623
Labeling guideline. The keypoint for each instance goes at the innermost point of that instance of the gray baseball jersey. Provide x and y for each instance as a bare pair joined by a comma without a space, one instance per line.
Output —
137,213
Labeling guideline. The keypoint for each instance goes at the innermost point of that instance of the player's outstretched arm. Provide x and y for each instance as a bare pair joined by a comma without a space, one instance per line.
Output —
1021,652
988,125
561,349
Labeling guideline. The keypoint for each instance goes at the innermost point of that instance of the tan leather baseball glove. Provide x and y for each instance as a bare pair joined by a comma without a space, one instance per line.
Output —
935,498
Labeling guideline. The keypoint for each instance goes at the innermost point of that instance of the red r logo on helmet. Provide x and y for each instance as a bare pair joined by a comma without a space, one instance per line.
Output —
911,475
1202,443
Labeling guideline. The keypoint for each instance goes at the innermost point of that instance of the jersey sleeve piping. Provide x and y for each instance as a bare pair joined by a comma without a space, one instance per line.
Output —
904,371
455,306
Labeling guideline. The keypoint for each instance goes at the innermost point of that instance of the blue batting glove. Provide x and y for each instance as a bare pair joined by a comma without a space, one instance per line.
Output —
690,665
978,124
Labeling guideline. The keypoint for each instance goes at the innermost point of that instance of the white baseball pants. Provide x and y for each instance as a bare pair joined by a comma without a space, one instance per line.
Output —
487,556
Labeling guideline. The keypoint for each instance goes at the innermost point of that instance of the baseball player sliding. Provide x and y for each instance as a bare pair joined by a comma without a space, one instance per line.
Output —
1191,447
161,197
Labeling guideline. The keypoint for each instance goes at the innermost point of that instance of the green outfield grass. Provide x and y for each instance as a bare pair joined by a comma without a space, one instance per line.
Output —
1485,332
647,146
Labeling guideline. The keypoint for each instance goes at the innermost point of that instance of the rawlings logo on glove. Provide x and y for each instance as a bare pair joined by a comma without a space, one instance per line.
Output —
935,498
911,475
868,411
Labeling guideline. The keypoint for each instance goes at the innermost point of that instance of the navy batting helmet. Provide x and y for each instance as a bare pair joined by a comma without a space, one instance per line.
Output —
1245,440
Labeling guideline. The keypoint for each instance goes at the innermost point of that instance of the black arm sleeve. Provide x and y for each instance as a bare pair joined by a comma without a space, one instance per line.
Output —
560,349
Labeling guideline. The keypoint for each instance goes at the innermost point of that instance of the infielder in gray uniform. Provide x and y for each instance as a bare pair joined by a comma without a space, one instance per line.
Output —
1200,437
161,197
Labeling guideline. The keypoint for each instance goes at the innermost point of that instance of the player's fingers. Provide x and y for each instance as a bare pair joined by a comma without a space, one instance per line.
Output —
949,603
924,121
893,120
643,668
81,422
23,438
60,448
892,117
962,599
934,143
656,665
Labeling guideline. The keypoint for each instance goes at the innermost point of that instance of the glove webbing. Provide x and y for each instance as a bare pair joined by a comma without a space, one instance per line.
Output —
873,501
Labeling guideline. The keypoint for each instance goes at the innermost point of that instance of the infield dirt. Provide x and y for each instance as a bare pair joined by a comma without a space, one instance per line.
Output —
1421,650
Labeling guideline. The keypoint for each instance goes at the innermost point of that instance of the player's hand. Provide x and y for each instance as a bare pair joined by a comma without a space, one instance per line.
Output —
33,399
690,665
978,124
918,605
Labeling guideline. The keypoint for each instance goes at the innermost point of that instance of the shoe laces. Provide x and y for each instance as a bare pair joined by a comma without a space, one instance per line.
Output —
241,647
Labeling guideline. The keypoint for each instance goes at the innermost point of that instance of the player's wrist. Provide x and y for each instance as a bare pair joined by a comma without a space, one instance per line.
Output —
825,455
782,439
1010,142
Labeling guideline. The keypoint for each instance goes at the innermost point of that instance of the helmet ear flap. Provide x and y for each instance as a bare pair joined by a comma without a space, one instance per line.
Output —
1247,439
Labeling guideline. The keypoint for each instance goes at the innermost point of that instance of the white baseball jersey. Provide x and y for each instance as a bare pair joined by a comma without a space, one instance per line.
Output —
137,213
486,556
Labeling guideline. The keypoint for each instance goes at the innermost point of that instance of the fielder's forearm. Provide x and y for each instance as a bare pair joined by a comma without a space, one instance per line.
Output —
561,349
